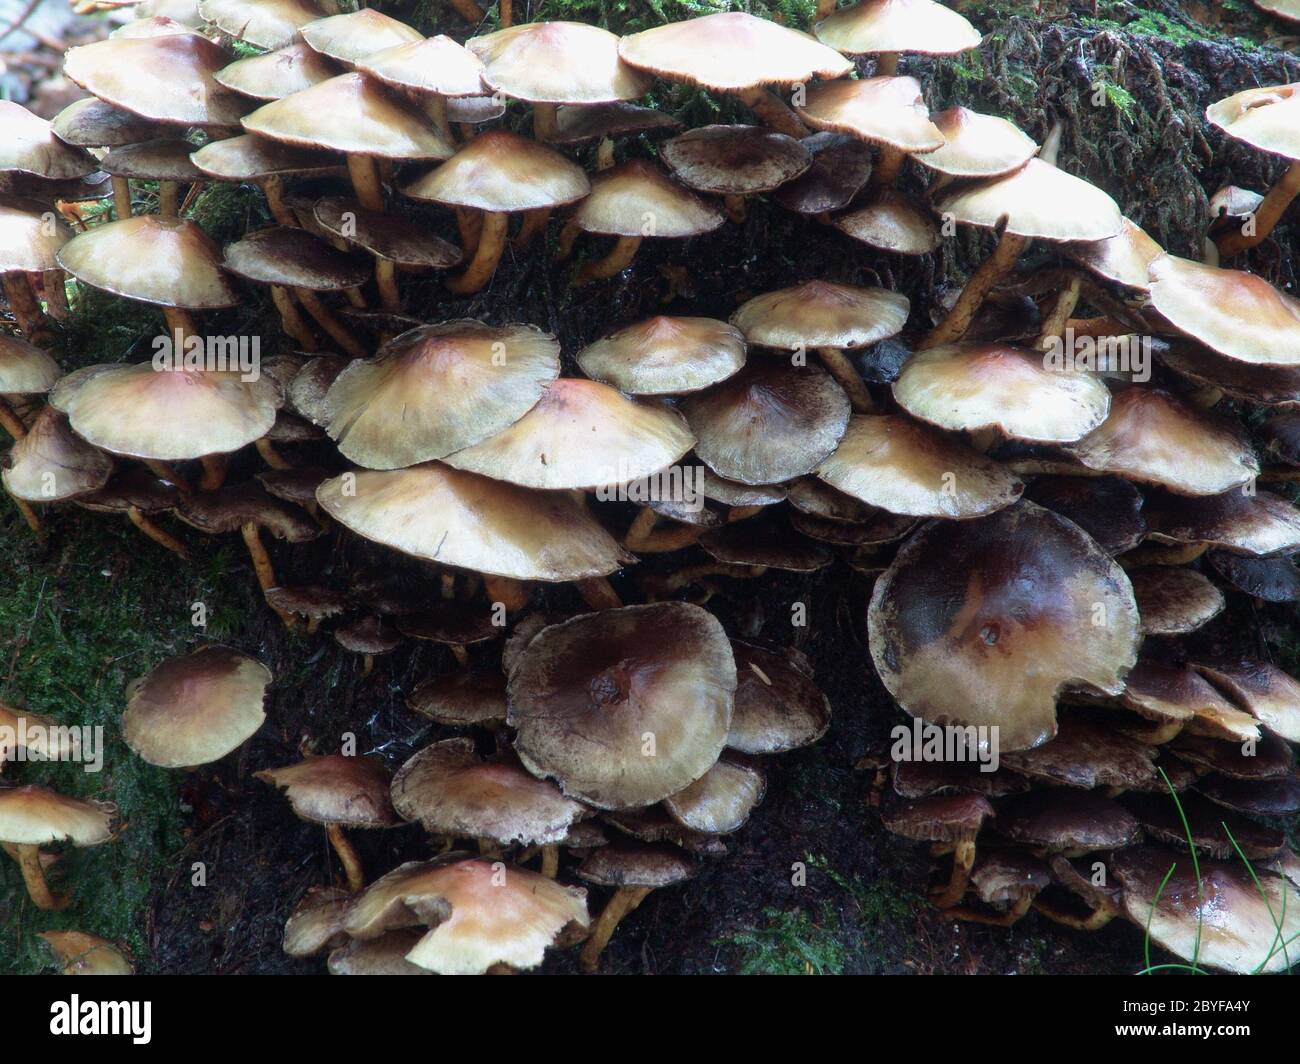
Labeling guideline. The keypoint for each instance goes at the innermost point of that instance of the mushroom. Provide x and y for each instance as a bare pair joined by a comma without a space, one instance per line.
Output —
1266,798
30,238
316,923
665,356
720,801
350,37
81,953
1263,690
891,222
1086,755
734,162
385,955
1269,758
1197,823
267,24
1107,508
1260,524
778,707
839,169
462,699
266,163
1174,601
370,637
1124,259
165,161
953,821
1069,822
35,734
275,75
1175,694
1007,883
33,816
29,146
50,464
887,27
24,370
310,601
431,71
977,145
1266,579
578,123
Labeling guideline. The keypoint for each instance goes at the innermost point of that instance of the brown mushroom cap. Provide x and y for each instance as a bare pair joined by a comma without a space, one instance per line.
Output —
778,707
588,695
897,26
973,386
250,158
29,146
1174,601
385,955
462,699
1267,579
307,600
353,36
165,79
1065,821
1267,693
919,779
92,123
351,791
822,314
1270,798
1213,832
1031,201
1002,878
387,236
153,160
892,222
770,422
80,953
474,110
578,123
984,622
1238,380
1125,258
31,235
306,393
977,145
1260,523
132,488
665,356
316,923
768,543
1087,755
34,816
885,110
651,866
1175,693
720,801
50,463
195,709
939,818
557,62
1271,758
229,508
731,51
442,514
638,199
25,369
502,171
277,74
262,23
282,255
436,65
839,169
1266,118
438,389
21,729
153,26
368,635
734,160
1107,508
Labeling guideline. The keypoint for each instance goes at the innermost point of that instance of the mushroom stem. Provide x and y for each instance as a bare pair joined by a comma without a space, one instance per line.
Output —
597,593
889,165
181,325
121,198
163,539
886,65
1055,323
534,224
643,537
291,320
262,565
506,9
29,515
435,107
26,307
838,365
470,224
29,860
460,654
774,112
568,235
605,154
1002,919
333,328
273,189
735,208
386,281
625,899
165,472
492,242
367,665
11,422
618,260
1094,921
544,121
512,594
981,283
270,455
550,861
348,857
1266,216
365,182
214,471
468,10
963,858
168,199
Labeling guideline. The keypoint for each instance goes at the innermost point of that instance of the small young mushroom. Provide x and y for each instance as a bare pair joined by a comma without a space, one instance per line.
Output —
778,707
51,464
665,356
840,168
1007,883
311,601
165,161
720,801
1174,601
266,24
370,637
734,162
462,699
953,821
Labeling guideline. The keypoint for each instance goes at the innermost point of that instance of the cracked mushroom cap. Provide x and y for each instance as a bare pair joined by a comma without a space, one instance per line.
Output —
153,160
770,422
584,435
450,791
294,258
588,695
985,621
1174,601
1267,118
356,35
899,465
1213,832
1037,201
1067,821
1267,693
501,171
350,113
1169,693
31,235
267,24
1107,508
388,236
277,74
462,698
557,62
479,913
333,789
1125,258
250,158
35,816
29,146
623,865
665,356
1087,756
839,169
897,26
731,51
25,369
638,199
164,79
720,801
734,160
172,415
973,386
1259,523
464,520
437,65
892,222
229,508
51,463
822,314
92,123
938,818
1154,437
316,923
81,953
437,389
778,707
884,110
195,709
977,145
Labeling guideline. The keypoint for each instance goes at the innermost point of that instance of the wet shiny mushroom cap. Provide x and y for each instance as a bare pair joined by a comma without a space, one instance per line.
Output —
1107,508
1214,832
977,145
557,62
1066,821
1125,258
897,26
1257,523
626,197
734,160
892,222
731,51
262,23
275,75
195,709
778,706
442,514
589,697
938,818
436,65
502,171
1270,759
1173,600
437,389
35,815
1037,201
984,622
31,235
883,110
1267,693
92,123
840,168
584,435
896,464
29,146
51,463
25,369
356,35
665,356
972,386
1087,756
81,953
351,791
294,258
822,314
153,160
250,158
770,422
720,801
1267,118
462,699
652,866
1169,693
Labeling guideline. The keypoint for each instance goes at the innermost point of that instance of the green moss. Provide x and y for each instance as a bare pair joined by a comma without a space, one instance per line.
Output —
790,943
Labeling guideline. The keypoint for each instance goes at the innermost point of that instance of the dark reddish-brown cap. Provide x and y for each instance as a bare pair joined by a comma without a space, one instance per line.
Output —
1267,693
436,65
778,707
977,145
450,623
25,369
368,635
1037,201
1175,693
307,600
734,160
557,62
768,543
884,110
1267,579
461,699
277,74
892,222
388,236
350,37
230,508
839,169
720,801
1219,834
626,197
262,23
51,463
1087,755
938,818
665,356
1257,523
1173,600
578,123
897,26
1067,821
822,314
1238,380
1125,258
31,235
1269,798
29,146
92,123
652,866
250,158
294,258
1270,758
919,779
1107,508
352,791
135,488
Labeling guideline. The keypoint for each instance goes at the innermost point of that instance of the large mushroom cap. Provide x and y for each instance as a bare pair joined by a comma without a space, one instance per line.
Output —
971,386
557,62
778,707
1267,118
734,160
352,791
984,622
977,145
25,369
50,463
1125,258
897,26
437,389
277,74
665,356
624,707
1038,201
581,434
34,816
885,110
636,198
436,65
282,255
92,123
442,514
1087,756
731,51
262,23
29,146
31,235
822,314
195,709
249,158
502,171
1107,508
356,35
166,79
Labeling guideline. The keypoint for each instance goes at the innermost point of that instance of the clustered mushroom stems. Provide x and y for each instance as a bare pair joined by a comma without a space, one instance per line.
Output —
348,856
963,859
1266,215
329,322
643,537
534,225
623,901
774,112
664,585
838,365
487,255
291,319
273,191
598,593
1021,906
470,224
29,860
365,176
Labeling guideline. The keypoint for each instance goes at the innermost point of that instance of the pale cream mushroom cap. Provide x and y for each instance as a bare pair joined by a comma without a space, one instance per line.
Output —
557,62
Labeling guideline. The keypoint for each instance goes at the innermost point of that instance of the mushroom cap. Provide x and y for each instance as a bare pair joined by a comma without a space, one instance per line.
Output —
652,866
897,26
1154,437
436,65
1173,600
461,699
984,622
21,729
81,953
316,922
938,818
839,169
171,415
896,464
1269,798
169,262
720,801
229,508
368,635
502,171
1281,430
578,123
449,622
557,62
1267,579
34,816
977,145
1258,523
971,386
50,463
389,236
153,160
1286,9
1238,380
153,26
1176,693
1236,314
734,160
768,543
275,75
92,123
265,24
1125,258
1107,508
437,389
249,158
1232,201
586,694
892,222
1087,756
1267,693
474,110
665,356
306,393
136,488
885,110
822,314
351,113
165,79
770,422
351,791
451,791
307,600
31,235
1270,759
581,434
1267,118
778,707
1067,820
1213,832
195,709
281,255
817,498
461,519
357,35
385,955
733,493
731,51
638,199
29,146
1030,200
25,369
1002,878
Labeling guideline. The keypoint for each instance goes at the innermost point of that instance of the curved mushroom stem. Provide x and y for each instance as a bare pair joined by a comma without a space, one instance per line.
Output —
214,471
29,514
1056,322
838,365
568,236
963,858
461,655
332,327
29,860
1002,919
506,9
1266,216
544,121
618,260
550,861
774,112
468,10
273,189
1094,921
534,224
291,320
597,593
491,244
435,107
11,422
121,198
889,164
735,208
364,175
348,857
270,455
262,566
981,283
168,199
886,64
512,594
470,224
26,307
367,666
162,538
625,900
